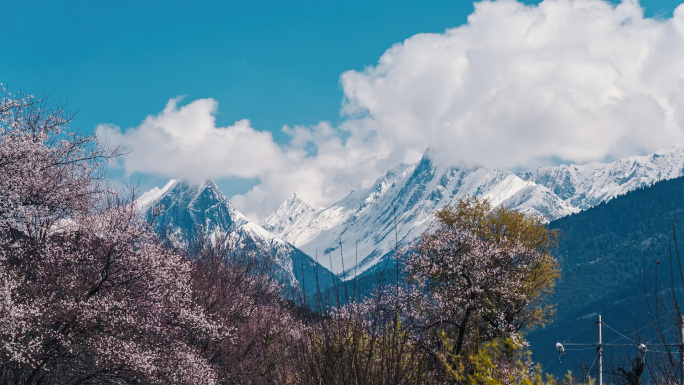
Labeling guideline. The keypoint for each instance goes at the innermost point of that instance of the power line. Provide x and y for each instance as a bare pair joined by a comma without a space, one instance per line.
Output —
640,347
581,349
578,333
622,335
592,364
652,323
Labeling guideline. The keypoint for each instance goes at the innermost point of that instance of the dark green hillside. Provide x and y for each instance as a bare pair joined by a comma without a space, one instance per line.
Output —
608,260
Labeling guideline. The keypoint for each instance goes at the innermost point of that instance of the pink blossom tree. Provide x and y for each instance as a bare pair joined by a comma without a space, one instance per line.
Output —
87,294
480,276
237,287
474,289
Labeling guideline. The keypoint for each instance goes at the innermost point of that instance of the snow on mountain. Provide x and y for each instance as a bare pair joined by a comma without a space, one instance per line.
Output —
357,202
291,214
184,212
149,197
585,186
355,233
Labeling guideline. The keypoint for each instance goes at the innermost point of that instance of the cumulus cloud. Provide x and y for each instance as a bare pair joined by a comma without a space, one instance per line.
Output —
183,141
576,80
323,164
516,86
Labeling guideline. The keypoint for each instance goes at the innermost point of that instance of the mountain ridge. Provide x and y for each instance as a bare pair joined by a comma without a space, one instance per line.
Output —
587,185
181,212
407,196
355,233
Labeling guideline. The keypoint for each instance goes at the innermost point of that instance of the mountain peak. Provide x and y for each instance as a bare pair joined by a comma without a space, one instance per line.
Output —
192,210
295,199
587,185
290,212
210,184
151,196
429,156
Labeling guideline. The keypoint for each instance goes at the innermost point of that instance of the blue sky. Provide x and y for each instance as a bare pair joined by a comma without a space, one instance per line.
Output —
275,63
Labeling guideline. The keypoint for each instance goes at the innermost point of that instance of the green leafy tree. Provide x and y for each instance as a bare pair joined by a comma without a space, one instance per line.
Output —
480,276
508,229
498,362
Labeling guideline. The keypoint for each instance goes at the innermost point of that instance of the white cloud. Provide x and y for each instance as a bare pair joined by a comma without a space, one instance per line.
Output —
516,86
184,142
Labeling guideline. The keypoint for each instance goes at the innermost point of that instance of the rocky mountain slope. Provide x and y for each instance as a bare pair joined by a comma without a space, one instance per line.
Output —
183,212
585,186
354,234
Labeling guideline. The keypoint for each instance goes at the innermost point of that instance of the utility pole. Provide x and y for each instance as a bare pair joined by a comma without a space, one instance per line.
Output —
584,377
681,350
599,350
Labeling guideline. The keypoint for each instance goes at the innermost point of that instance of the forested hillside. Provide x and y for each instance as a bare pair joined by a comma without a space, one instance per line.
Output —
609,257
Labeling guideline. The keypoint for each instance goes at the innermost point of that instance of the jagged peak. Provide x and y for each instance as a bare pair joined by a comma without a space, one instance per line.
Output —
188,192
433,159
396,172
429,156
669,152
153,195
295,199
293,210
209,183
195,189
288,208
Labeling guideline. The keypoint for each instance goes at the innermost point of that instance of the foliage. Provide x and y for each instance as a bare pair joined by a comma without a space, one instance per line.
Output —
481,275
477,278
500,225
354,346
87,294
497,362
47,172
508,229
236,288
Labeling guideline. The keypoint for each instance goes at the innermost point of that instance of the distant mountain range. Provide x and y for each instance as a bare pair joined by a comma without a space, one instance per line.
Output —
352,236
616,221
357,232
183,212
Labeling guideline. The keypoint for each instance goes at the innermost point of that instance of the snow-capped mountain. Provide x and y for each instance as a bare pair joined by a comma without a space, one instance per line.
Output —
294,213
585,186
400,206
182,212
356,232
